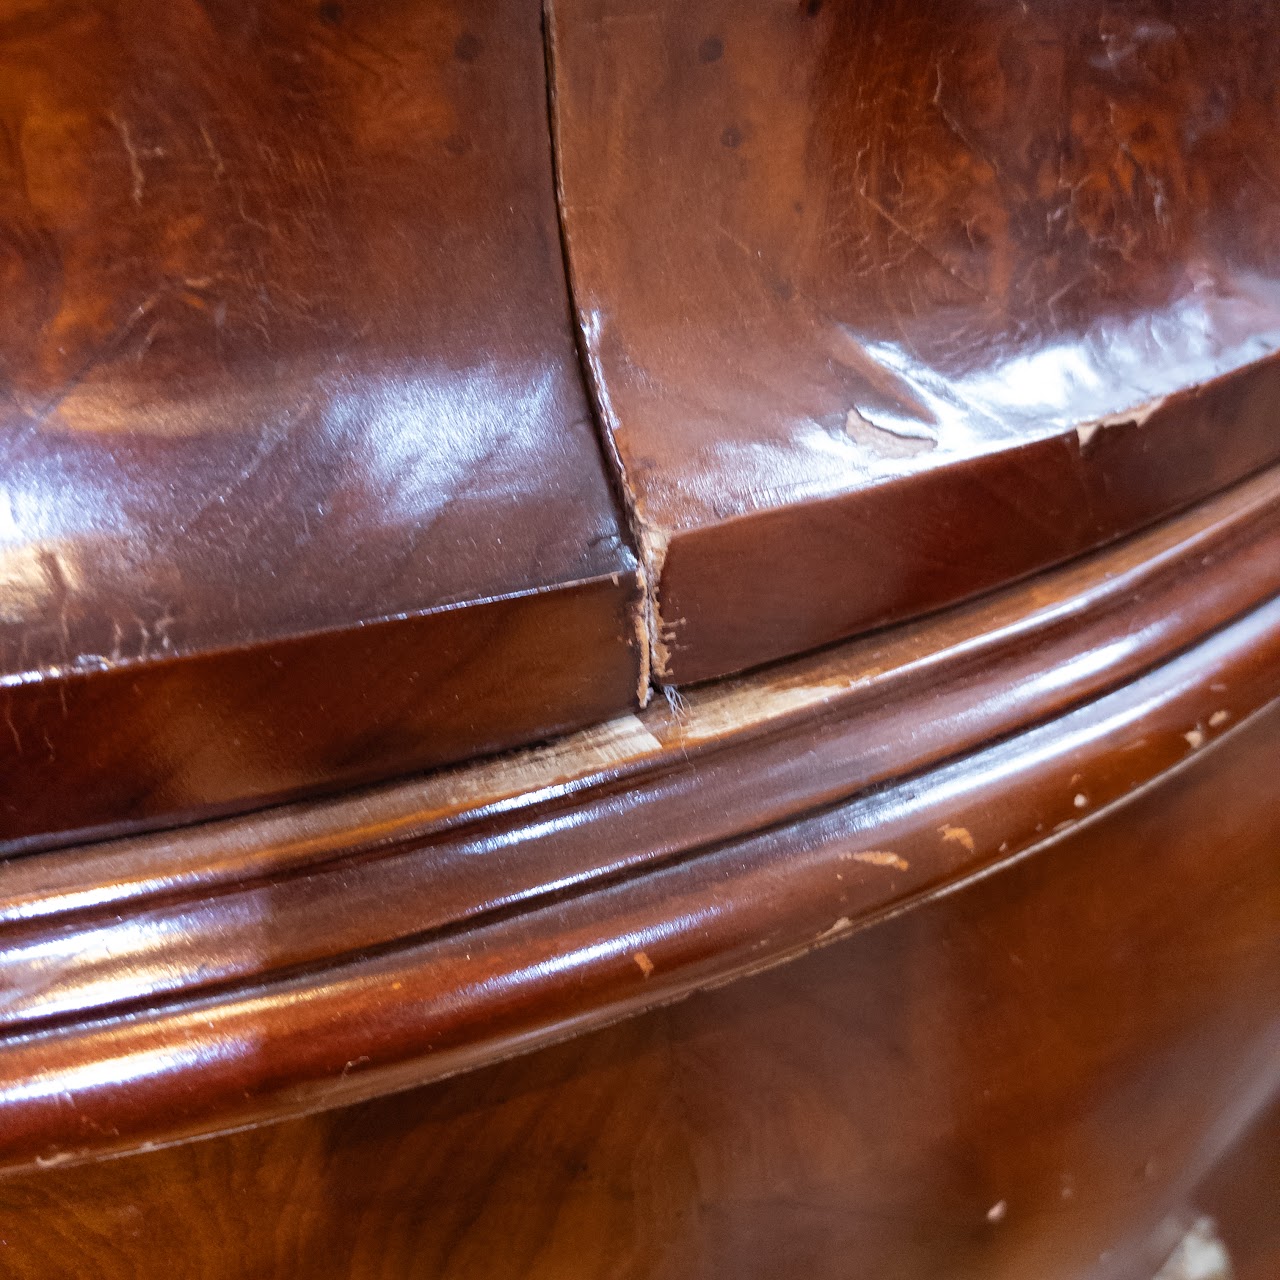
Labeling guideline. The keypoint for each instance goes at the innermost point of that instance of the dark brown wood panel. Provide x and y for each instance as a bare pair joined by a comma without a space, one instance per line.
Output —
288,392
1023,1080
191,737
887,303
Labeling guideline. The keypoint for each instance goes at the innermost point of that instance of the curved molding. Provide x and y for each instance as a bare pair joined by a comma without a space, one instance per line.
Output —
191,982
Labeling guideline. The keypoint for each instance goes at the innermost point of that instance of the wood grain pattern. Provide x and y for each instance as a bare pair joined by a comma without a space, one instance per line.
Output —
887,304
298,481
951,949
1077,1038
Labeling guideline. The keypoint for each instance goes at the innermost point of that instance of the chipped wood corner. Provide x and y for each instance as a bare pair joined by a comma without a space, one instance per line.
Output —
1135,417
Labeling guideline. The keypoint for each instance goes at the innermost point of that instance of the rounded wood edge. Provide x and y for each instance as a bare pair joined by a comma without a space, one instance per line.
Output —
455,997
115,930
1111,615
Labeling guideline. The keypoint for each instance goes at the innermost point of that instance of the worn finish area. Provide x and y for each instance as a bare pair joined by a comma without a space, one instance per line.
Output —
298,482
887,303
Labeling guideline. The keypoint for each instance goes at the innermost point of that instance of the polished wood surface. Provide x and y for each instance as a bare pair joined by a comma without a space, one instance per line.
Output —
133,918
1025,1079
395,396
887,303
299,484
189,982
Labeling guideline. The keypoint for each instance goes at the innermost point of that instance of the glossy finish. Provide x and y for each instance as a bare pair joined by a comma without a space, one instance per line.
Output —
887,303
881,306
298,481
184,983
1022,1080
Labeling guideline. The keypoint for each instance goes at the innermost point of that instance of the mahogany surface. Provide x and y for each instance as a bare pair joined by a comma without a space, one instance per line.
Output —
886,303
1026,1079
187,982
360,914
298,481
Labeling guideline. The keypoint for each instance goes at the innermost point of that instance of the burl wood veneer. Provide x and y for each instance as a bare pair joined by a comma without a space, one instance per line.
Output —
298,481
885,303
949,951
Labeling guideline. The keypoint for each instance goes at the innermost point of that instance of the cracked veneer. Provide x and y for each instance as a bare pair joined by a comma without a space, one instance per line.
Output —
864,306
651,541
1135,417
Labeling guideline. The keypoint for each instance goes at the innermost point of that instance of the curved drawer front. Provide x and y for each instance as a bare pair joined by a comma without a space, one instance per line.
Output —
299,484
887,304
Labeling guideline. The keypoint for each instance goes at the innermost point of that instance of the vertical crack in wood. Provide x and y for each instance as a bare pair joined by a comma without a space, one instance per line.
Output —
647,541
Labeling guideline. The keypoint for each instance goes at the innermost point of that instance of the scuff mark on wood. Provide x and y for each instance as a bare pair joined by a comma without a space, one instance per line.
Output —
843,925
959,834
880,858
891,440
135,165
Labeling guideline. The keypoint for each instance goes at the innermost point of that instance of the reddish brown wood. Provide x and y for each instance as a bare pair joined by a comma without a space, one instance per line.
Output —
1070,1043
124,922
1240,1197
360,947
882,306
298,482
886,304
